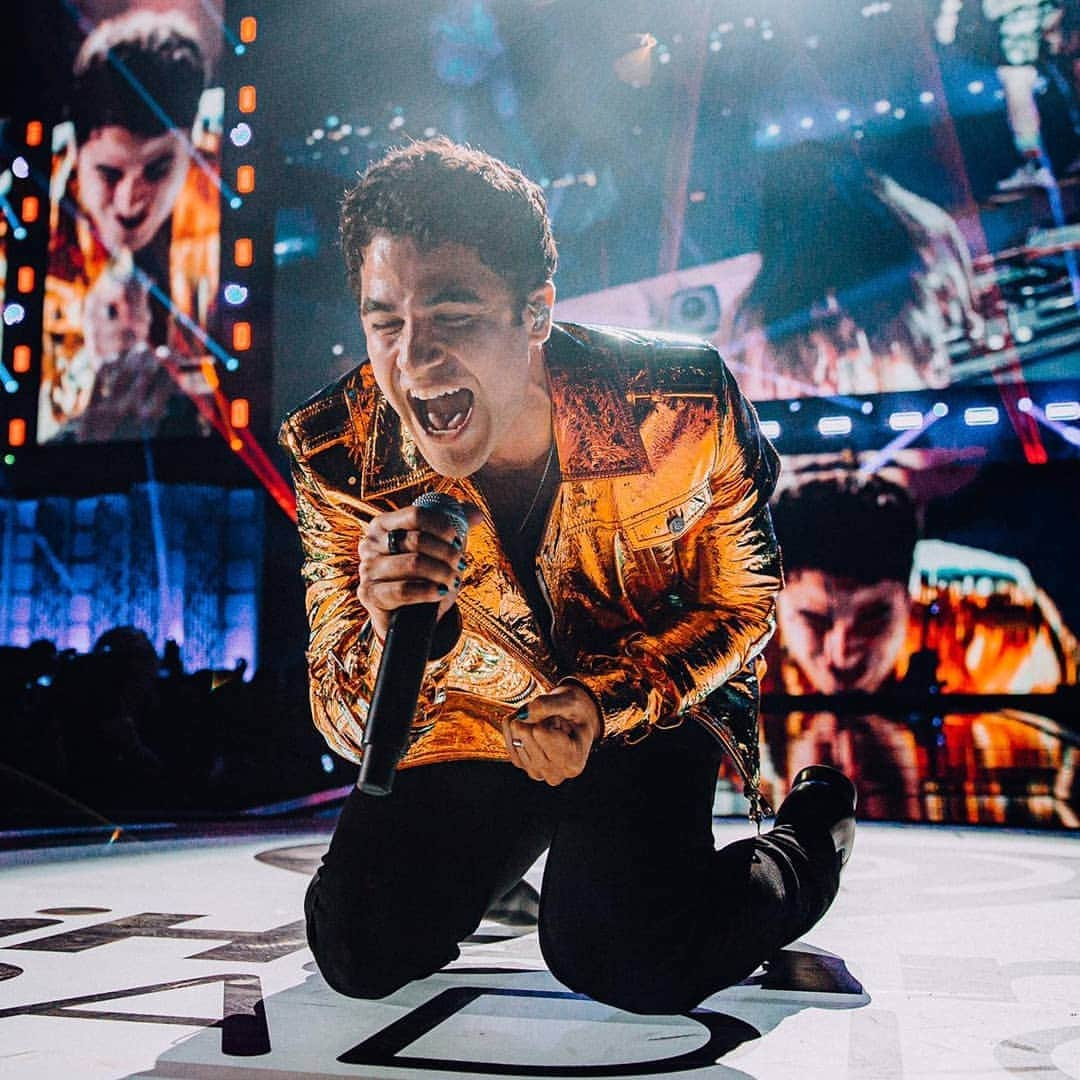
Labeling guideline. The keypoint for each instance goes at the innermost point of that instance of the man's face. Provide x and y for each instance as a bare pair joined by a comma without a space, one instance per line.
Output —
453,355
129,183
844,636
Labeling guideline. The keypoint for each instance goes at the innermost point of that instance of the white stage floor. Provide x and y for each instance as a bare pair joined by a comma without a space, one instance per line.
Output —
949,953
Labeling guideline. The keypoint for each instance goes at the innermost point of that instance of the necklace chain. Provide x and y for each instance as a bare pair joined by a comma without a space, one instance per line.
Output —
539,488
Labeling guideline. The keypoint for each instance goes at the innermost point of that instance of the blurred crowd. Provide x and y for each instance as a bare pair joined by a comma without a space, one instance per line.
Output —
122,731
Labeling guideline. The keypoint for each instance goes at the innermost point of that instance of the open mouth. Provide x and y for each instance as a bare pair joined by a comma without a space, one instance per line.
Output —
445,413
848,678
131,222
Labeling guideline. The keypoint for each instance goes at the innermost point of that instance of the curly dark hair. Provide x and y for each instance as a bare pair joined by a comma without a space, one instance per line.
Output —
863,529
144,71
439,192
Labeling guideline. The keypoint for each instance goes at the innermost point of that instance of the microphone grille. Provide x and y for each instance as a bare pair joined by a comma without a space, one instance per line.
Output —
448,505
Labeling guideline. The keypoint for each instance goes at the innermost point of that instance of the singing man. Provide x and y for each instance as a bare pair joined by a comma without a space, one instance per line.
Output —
600,627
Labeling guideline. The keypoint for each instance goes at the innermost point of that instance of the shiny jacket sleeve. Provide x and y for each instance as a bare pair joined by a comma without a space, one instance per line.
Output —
722,615
343,650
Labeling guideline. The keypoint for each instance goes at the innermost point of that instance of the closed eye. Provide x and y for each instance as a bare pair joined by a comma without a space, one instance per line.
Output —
159,168
110,175
817,622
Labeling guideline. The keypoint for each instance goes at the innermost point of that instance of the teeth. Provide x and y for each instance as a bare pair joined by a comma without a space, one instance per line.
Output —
435,397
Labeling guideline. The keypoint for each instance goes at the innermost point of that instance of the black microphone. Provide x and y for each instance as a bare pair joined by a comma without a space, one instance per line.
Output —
406,651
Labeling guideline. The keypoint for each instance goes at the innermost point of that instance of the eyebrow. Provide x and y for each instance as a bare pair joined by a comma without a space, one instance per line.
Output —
451,294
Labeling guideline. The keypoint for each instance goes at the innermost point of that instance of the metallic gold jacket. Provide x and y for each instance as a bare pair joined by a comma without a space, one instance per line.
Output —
658,558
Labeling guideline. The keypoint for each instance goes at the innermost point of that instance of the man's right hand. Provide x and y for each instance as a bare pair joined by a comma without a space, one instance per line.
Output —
426,569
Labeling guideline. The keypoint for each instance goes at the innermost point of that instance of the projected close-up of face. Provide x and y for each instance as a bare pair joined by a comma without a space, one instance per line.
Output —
129,183
842,634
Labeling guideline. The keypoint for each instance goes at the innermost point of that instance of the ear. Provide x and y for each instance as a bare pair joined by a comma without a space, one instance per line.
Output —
538,313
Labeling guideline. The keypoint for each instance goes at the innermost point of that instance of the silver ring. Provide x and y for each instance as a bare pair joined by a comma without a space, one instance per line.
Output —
395,541
517,744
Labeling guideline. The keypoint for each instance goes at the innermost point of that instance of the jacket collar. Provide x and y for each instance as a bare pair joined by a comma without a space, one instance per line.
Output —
595,431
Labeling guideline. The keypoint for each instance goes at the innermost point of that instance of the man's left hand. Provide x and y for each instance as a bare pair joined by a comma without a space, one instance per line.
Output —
551,737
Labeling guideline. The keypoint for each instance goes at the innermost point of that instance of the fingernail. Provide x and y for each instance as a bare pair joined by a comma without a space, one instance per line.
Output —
462,564
457,583
443,590
522,713
456,543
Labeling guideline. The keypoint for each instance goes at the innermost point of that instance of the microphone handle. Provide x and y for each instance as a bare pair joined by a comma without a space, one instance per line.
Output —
397,690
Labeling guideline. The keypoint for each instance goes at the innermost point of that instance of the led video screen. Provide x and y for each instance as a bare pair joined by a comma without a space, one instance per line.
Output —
925,645
134,237
7,216
895,185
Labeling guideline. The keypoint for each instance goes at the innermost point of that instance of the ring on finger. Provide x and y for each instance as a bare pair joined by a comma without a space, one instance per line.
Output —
395,541
517,744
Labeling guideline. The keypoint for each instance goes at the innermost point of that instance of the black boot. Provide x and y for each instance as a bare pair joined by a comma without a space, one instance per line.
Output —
822,800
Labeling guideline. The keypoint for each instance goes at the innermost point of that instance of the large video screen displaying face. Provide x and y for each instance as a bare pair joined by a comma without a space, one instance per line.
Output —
859,197
913,611
134,237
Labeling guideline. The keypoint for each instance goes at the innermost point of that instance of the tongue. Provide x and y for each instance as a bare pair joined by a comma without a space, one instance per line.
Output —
449,411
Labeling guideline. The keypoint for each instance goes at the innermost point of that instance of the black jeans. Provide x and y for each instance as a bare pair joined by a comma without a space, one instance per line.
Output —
637,908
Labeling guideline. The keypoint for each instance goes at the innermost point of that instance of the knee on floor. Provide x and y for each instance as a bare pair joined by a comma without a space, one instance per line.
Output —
643,984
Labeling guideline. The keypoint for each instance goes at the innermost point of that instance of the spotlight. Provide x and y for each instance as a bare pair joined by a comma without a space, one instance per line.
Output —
770,429
867,408
940,409
14,314
976,86
834,425
20,167
772,131
1025,404
843,115
882,107
235,294
981,416
926,97
240,135
1063,410
806,123
905,421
